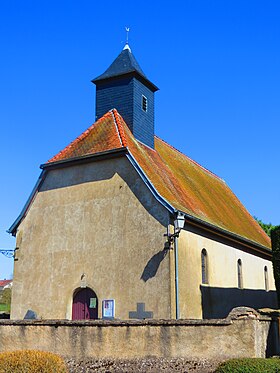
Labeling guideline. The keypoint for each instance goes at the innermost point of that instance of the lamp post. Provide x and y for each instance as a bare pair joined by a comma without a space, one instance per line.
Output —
178,225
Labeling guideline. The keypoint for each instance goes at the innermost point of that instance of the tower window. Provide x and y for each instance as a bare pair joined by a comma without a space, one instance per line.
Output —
204,267
266,279
239,274
144,103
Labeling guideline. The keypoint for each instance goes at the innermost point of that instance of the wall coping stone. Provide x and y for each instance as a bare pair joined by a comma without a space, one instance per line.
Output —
237,313
127,323
117,323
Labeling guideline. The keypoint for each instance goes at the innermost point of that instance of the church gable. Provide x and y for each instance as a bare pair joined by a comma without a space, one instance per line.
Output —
88,220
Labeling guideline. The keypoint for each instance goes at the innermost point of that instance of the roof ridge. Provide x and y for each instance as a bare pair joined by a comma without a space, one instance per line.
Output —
193,161
119,126
77,139
116,126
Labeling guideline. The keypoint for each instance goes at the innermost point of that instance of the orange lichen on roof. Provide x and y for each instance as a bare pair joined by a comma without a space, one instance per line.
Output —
99,137
185,184
191,188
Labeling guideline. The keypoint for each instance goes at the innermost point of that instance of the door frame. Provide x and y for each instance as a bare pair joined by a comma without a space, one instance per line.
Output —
79,289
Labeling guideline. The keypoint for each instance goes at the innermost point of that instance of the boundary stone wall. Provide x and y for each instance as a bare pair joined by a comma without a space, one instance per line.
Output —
239,335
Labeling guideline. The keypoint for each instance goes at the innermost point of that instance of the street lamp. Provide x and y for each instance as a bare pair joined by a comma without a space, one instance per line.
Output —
179,223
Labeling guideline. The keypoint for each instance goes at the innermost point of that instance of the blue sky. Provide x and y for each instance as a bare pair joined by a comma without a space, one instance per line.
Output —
216,64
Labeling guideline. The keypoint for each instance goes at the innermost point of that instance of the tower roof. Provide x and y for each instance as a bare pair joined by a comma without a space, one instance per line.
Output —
125,64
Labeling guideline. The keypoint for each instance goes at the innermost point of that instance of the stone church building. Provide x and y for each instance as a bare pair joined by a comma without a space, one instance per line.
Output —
121,224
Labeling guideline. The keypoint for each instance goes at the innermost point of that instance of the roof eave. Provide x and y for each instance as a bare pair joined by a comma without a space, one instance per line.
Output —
142,78
58,164
225,233
85,158
14,226
149,184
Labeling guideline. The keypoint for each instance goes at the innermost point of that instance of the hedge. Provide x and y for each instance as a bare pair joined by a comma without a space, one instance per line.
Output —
31,361
275,243
253,365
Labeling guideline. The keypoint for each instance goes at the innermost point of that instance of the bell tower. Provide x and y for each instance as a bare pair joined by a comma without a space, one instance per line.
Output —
125,87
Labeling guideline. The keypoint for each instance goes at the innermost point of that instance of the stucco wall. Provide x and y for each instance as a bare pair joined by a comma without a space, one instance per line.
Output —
99,221
222,278
220,339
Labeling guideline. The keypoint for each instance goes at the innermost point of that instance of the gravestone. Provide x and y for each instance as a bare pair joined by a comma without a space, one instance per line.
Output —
30,315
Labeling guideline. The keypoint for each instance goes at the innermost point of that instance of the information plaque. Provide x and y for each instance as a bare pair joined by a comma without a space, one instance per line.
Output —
108,308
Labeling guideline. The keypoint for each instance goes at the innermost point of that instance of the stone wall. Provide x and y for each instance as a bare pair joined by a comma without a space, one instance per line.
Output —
242,334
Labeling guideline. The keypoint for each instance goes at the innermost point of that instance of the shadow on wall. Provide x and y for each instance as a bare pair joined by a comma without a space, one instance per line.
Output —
218,302
153,264
106,170
272,342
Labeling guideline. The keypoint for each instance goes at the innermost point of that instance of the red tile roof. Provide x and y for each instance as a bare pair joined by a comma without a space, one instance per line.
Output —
185,184
101,136
5,282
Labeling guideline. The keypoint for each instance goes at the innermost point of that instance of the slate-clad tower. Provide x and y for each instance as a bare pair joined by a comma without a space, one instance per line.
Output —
125,87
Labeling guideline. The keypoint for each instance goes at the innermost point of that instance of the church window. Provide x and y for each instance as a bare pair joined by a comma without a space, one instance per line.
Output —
204,266
144,103
266,279
239,274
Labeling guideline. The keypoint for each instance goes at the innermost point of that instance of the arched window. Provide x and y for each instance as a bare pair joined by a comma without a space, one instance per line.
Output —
204,266
239,274
266,279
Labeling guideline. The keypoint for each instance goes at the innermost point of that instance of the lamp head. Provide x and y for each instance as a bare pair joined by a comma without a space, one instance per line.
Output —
179,222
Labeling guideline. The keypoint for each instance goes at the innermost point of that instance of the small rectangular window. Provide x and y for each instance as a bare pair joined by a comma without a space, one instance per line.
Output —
144,103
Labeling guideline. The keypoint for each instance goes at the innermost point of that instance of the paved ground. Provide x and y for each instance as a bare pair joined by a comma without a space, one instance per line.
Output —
150,365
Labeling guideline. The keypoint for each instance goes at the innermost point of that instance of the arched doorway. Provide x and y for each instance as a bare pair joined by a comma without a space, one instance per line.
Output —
85,305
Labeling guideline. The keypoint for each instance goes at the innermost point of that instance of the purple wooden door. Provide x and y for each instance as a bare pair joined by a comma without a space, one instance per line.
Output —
85,305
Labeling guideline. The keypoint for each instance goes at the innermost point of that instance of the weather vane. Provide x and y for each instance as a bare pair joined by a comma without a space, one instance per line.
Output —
127,31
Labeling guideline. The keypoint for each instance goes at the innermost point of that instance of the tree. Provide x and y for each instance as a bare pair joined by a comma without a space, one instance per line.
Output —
275,242
6,298
266,227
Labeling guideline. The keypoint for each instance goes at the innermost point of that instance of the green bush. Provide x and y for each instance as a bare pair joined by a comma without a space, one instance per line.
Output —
4,307
275,243
31,361
254,365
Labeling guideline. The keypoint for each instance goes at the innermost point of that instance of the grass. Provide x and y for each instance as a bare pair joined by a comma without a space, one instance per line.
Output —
4,308
250,365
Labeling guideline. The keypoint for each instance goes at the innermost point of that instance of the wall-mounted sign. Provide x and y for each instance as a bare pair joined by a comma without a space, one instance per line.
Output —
92,302
108,308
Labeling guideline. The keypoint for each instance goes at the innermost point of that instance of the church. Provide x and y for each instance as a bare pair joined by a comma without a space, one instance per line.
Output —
122,225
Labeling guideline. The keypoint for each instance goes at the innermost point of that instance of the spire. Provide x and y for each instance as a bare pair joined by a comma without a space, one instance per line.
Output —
125,64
